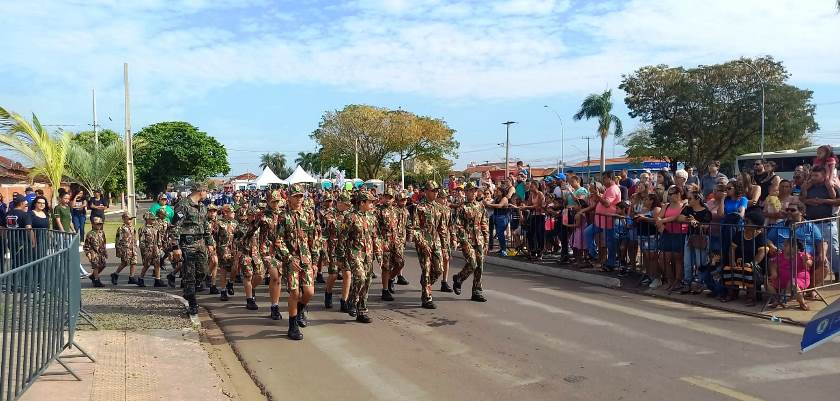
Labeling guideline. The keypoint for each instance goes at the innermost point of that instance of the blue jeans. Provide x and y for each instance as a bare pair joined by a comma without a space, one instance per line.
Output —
589,236
501,221
693,257
79,223
717,288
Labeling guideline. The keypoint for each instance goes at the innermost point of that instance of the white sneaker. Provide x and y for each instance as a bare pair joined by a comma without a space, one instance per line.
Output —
656,283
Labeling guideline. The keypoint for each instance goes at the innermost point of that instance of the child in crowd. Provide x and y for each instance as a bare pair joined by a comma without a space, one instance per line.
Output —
794,253
94,249
150,251
825,157
124,243
622,222
575,220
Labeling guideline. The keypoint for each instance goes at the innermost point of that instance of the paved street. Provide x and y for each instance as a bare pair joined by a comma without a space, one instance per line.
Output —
538,338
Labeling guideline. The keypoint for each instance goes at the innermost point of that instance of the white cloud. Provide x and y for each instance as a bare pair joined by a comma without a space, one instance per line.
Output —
530,7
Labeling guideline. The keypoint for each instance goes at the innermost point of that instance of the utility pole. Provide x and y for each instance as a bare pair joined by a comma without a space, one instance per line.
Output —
507,146
95,128
357,157
588,159
129,150
761,81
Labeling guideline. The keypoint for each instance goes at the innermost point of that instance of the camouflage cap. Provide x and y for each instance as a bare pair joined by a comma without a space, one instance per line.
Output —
430,186
365,196
126,215
96,220
198,186
344,196
296,190
226,208
399,195
327,198
148,216
390,192
261,205
275,196
470,186
212,207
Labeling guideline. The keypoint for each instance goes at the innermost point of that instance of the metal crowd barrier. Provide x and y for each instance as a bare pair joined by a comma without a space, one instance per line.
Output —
40,299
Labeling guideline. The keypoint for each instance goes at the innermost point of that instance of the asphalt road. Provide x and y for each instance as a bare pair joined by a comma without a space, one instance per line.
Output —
537,338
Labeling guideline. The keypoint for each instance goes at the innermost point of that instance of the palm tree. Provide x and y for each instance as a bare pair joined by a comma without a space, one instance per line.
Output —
92,169
599,106
46,153
308,161
275,161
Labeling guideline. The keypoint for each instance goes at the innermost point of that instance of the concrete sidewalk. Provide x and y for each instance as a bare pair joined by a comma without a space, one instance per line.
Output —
549,266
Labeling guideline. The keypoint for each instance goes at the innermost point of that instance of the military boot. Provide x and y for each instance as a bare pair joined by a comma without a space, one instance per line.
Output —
456,285
294,330
275,312
401,280
140,282
132,280
429,304
229,287
159,283
351,308
251,304
98,283
328,300
363,318
114,278
386,295
344,308
477,296
444,287
319,278
224,296
170,280
301,315
238,279
213,290
193,305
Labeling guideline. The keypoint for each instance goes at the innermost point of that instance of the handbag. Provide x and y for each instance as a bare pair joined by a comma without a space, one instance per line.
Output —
549,224
698,241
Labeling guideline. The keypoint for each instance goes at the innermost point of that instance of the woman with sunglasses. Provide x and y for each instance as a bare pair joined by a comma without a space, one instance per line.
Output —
696,250
39,217
672,240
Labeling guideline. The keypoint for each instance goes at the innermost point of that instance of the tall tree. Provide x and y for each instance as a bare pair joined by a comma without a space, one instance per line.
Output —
713,112
115,182
172,151
92,169
381,136
308,161
46,153
276,162
600,107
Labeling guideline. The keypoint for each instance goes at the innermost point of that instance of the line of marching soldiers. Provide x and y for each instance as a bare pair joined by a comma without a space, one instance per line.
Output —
286,239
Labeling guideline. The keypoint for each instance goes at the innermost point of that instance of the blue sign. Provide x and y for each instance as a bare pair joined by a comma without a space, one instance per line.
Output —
822,327
656,165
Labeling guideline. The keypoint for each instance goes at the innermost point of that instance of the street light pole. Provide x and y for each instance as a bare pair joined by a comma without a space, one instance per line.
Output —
507,146
562,140
588,159
761,81
357,158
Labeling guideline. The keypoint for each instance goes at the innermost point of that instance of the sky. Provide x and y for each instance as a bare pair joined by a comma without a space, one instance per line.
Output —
259,74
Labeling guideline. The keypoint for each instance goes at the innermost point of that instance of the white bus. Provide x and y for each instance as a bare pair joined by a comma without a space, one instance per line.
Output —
786,160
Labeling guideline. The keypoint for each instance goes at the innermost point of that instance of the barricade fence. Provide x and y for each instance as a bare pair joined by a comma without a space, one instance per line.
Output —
39,304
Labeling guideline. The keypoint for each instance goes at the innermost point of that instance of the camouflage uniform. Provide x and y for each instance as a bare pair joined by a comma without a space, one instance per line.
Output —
329,229
361,241
150,250
124,245
191,232
427,229
316,245
391,222
473,233
446,234
294,241
340,247
268,233
94,248
224,242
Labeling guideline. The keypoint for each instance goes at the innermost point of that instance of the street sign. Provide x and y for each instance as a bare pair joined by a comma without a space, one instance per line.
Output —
822,327
655,165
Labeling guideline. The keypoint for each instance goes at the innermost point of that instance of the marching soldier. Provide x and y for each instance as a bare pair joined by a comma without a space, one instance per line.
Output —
329,225
124,245
250,258
296,235
445,238
94,249
396,252
268,238
362,246
191,232
473,234
150,250
388,225
212,256
225,251
343,209
428,233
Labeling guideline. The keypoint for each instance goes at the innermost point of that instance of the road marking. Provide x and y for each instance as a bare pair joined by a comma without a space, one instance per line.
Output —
674,321
557,344
791,370
625,331
494,370
719,388
381,381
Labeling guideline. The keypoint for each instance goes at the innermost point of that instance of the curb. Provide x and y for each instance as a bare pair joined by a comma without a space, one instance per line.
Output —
594,279
194,319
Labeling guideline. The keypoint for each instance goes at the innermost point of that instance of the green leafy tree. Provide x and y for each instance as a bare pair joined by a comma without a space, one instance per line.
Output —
172,151
713,112
115,182
276,161
92,169
381,136
600,107
45,153
309,161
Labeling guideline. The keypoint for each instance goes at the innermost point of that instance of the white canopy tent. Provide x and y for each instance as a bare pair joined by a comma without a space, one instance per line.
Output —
267,178
300,176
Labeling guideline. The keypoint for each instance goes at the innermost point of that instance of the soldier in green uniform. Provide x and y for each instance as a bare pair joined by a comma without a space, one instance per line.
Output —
124,245
329,233
212,257
94,249
225,251
150,248
396,252
445,238
268,237
250,258
428,231
191,232
295,236
339,262
361,241
387,216
473,234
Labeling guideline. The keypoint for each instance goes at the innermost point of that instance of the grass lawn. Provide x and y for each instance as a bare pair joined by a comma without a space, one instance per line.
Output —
112,223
